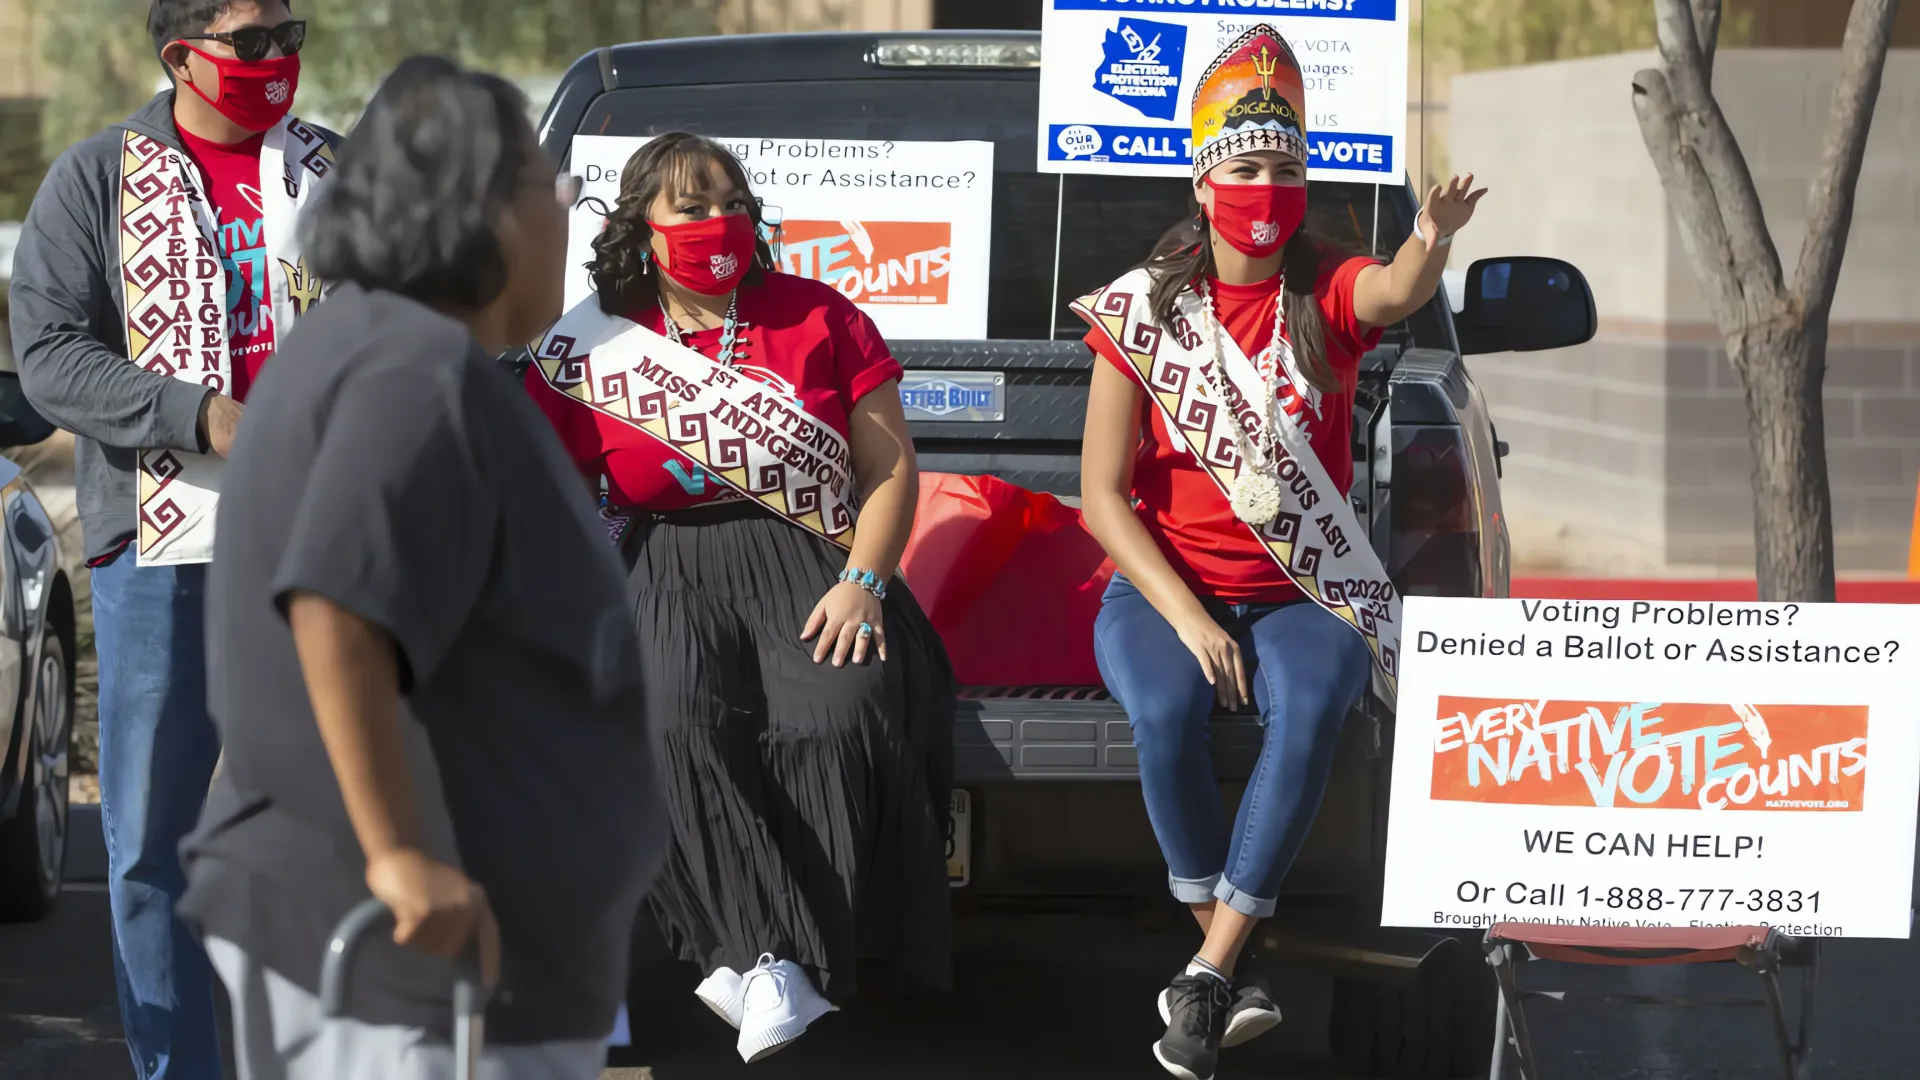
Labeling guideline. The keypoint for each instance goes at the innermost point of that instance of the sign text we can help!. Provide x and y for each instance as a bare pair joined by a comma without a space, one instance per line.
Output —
903,229
1656,764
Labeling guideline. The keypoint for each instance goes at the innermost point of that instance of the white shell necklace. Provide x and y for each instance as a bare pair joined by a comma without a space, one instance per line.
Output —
729,327
1255,495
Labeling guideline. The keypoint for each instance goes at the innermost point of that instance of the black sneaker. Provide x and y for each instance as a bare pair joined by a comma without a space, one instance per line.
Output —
1252,1014
1195,1008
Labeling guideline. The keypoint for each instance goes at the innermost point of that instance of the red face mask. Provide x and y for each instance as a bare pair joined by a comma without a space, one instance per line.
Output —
708,256
255,94
1258,218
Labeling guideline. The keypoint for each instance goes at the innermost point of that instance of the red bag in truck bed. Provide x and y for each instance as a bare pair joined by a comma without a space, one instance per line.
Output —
1011,578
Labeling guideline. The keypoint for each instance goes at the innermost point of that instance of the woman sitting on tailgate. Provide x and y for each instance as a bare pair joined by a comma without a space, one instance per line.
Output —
1224,407
807,704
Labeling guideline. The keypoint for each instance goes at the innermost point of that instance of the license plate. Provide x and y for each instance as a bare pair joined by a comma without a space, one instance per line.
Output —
960,841
954,396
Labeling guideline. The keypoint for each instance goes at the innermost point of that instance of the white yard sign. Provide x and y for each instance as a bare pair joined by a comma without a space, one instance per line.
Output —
1117,79
901,228
1628,763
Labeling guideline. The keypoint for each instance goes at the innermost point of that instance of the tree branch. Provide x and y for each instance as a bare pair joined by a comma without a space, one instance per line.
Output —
1702,230
1704,128
1863,59
1706,28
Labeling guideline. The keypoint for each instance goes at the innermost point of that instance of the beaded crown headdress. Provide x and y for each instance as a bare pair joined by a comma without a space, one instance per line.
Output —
1250,98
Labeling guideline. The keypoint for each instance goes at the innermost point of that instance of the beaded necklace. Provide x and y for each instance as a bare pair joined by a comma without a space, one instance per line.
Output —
729,327
1255,496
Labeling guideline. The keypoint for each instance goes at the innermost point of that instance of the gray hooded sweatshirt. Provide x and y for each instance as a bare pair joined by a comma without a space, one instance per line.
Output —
70,334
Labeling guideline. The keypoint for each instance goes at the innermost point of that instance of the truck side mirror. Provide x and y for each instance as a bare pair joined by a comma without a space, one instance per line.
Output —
1524,304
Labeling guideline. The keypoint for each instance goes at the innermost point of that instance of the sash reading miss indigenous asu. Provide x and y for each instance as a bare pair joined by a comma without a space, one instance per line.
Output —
754,439
176,305
1315,538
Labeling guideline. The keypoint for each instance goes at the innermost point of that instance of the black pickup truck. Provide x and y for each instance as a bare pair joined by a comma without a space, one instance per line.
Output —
1049,816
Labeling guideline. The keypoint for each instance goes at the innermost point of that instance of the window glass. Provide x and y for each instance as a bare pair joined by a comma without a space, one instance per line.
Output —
1108,223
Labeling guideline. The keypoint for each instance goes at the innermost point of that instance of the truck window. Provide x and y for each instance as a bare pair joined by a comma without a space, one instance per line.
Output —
1110,222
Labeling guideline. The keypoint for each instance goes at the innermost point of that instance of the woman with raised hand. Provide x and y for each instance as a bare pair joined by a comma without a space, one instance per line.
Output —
746,428
1215,470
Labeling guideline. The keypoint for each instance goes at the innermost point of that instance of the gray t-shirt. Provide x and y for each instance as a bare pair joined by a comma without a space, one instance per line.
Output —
385,463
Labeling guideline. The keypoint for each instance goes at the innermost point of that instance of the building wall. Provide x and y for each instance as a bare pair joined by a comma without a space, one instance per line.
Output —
1630,453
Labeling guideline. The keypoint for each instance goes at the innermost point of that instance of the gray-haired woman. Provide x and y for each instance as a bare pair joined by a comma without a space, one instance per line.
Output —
407,588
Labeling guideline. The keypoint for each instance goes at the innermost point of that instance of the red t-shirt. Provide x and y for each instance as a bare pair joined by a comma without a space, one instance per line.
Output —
797,335
233,186
1181,506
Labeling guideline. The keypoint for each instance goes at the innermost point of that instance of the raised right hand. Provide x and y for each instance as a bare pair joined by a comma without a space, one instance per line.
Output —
220,419
1219,657
436,908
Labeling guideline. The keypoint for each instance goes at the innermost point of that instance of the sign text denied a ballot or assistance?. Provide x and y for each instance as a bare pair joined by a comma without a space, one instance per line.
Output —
1642,763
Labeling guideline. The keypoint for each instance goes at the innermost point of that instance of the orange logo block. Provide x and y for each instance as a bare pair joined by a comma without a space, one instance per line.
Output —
871,262
1656,755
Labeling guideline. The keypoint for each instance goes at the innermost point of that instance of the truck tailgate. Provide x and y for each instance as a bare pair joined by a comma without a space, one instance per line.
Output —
1070,733
1025,429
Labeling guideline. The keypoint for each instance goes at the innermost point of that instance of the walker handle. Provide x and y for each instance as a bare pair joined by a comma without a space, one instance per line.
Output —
469,993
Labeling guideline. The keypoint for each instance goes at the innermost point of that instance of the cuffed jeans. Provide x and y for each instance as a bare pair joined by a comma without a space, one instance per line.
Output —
1306,668
157,753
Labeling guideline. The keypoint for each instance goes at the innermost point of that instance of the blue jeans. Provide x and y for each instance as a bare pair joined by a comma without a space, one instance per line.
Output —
158,748
1306,668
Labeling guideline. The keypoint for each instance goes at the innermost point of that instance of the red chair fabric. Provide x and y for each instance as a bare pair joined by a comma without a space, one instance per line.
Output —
1638,946
1010,578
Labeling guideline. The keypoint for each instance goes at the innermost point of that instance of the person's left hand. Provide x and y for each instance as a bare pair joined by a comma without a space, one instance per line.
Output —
836,622
1448,209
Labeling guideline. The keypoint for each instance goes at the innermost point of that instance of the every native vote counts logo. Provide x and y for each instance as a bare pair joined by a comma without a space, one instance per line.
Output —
1651,754
870,262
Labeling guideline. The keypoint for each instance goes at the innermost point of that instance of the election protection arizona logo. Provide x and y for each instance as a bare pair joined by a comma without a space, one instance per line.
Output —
1141,66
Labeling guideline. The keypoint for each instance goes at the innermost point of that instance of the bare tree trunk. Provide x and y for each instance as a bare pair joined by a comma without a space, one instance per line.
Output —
1782,370
1775,331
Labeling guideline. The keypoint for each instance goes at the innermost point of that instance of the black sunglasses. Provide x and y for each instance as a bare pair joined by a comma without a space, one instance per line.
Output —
251,43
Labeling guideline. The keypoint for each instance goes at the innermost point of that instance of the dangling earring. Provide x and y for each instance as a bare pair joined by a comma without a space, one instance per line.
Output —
646,261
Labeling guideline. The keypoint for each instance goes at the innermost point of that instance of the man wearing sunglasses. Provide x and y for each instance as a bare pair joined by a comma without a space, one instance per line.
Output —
157,267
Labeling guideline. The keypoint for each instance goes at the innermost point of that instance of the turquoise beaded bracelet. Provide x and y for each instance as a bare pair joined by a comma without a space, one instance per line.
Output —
867,580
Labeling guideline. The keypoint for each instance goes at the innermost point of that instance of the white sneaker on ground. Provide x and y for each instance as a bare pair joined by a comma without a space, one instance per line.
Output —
778,1001
720,992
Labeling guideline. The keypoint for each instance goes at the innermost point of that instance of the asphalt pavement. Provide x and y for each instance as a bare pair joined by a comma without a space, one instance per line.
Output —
1069,1009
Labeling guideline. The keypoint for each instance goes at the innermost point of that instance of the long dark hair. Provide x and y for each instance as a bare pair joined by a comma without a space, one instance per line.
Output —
677,162
1184,255
416,193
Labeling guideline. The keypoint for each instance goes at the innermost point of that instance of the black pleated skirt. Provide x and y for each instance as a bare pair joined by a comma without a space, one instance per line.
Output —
809,803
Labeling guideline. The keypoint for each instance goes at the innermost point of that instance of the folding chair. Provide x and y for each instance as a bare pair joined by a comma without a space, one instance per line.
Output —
1757,948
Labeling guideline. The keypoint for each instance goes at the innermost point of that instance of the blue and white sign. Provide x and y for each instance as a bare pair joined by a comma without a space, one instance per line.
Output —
1117,77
